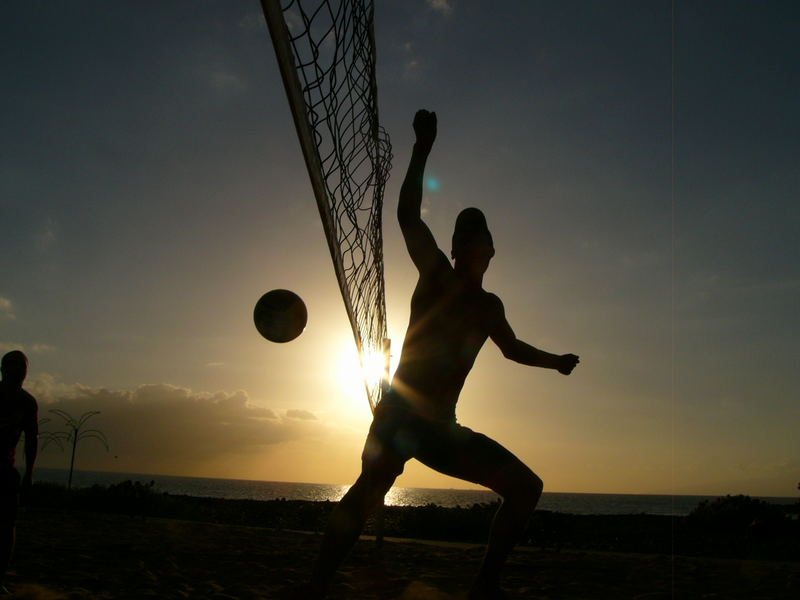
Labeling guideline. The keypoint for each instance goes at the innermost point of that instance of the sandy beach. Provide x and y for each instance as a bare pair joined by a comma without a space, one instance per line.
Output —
64,554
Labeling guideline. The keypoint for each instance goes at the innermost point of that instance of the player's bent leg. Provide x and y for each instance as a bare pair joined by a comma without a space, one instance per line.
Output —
520,489
6,548
9,501
463,453
345,525
381,464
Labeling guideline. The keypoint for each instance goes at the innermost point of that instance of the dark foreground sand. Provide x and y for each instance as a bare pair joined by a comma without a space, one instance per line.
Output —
71,555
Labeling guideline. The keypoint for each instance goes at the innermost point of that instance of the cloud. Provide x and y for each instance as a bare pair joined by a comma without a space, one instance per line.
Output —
294,22
303,415
221,78
443,7
9,346
227,81
42,348
6,309
33,349
162,428
425,208
253,22
411,64
47,389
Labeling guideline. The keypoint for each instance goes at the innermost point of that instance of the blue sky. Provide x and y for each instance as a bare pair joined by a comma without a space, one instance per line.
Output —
642,201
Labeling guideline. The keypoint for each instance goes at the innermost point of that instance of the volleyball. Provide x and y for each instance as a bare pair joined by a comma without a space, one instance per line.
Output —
280,316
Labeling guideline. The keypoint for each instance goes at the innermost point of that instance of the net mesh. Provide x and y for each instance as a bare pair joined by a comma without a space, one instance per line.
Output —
333,55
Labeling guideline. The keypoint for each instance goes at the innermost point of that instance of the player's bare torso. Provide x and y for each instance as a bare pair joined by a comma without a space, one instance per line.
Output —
450,321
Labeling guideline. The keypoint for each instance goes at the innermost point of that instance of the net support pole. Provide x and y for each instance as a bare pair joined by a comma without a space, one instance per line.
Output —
380,516
387,357
380,523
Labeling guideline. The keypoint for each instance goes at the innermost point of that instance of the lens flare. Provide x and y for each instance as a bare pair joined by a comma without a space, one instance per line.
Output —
352,372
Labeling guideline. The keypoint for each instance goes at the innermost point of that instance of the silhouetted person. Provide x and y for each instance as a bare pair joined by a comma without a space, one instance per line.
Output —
18,413
451,318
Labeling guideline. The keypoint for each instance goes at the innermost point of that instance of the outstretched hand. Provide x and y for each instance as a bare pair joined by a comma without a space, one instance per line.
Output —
567,362
425,128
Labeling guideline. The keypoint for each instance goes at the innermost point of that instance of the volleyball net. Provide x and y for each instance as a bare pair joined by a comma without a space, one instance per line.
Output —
326,54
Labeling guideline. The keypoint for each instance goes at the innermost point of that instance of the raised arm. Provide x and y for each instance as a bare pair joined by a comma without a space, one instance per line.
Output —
518,351
418,237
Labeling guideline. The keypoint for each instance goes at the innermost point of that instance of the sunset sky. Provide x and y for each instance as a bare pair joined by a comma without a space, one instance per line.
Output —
644,212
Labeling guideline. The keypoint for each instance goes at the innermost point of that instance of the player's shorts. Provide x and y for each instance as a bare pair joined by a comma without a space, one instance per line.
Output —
398,434
9,495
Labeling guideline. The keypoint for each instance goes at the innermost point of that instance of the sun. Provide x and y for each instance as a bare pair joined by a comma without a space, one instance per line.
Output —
352,373
373,366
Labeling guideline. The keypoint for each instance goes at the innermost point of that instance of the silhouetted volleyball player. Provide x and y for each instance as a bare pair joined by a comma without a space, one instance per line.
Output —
18,413
451,318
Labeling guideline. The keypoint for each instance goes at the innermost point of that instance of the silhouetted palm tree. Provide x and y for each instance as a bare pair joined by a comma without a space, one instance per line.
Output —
74,434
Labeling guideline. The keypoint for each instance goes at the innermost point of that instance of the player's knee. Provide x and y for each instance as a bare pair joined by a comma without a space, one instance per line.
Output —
535,488
522,487
368,491
527,489
380,478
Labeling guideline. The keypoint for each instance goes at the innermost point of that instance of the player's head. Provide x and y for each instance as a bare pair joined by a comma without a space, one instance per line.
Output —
472,242
14,367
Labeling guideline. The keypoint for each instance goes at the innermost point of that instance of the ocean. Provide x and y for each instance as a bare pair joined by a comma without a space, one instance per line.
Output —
579,504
